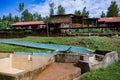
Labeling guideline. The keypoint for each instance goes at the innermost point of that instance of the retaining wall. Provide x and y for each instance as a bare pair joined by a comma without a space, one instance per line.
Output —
108,59
31,66
4,55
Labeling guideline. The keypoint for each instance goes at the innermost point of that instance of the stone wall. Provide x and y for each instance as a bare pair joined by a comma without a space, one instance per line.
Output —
68,57
108,59
73,57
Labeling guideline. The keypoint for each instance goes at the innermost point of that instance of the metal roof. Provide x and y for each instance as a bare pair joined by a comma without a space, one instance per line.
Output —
27,23
109,19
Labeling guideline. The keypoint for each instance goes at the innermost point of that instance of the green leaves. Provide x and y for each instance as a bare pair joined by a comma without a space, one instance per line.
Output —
61,10
113,10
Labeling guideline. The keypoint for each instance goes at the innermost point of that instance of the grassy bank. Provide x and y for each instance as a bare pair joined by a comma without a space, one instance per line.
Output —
93,43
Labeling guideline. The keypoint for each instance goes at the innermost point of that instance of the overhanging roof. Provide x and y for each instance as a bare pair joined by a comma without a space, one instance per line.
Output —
109,19
28,23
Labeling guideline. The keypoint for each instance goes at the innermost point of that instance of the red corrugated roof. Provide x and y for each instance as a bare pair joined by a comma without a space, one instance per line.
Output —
28,23
109,19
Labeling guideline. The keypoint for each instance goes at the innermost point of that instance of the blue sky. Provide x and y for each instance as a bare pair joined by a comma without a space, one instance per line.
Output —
95,7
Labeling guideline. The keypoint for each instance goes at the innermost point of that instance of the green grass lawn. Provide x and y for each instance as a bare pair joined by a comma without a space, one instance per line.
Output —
104,43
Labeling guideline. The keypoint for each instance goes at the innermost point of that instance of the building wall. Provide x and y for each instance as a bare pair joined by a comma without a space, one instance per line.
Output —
61,19
70,57
27,62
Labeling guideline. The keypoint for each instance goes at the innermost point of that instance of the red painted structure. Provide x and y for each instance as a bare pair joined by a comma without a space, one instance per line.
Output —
29,25
110,22
110,19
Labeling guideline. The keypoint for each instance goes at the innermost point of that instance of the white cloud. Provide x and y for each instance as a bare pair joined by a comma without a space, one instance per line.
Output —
95,7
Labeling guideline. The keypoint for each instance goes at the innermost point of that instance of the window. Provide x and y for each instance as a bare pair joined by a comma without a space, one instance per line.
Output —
81,57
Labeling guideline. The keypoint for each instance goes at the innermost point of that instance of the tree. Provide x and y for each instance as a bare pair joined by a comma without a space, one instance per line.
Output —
51,8
0,19
103,14
35,16
27,16
78,13
16,19
20,7
113,10
46,19
84,12
39,17
4,18
61,10
10,18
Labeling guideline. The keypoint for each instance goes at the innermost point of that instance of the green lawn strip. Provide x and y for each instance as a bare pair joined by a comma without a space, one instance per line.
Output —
13,48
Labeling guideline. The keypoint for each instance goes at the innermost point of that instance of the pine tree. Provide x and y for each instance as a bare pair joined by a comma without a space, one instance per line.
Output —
51,8
84,12
27,16
103,14
61,10
113,10
20,9
78,13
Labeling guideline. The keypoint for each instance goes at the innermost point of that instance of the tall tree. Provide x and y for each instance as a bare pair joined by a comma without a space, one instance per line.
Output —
10,18
51,8
113,10
46,19
39,17
35,16
16,19
103,14
20,9
77,12
0,19
85,12
4,18
27,16
61,10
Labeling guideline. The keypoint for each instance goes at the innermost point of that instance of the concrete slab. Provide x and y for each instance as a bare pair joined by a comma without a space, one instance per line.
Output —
5,67
59,71
11,71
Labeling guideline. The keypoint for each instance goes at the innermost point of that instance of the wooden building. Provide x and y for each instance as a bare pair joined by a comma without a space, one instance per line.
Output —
110,22
63,23
90,22
29,25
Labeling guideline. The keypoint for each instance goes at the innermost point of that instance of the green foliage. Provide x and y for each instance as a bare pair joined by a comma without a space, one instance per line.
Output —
20,7
77,12
37,17
113,10
27,16
16,19
84,12
46,19
5,47
5,25
61,10
103,14
51,8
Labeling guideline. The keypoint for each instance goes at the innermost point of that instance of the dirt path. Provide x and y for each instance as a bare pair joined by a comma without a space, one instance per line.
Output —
58,71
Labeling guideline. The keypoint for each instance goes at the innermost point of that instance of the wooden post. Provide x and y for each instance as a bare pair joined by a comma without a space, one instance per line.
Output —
47,30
